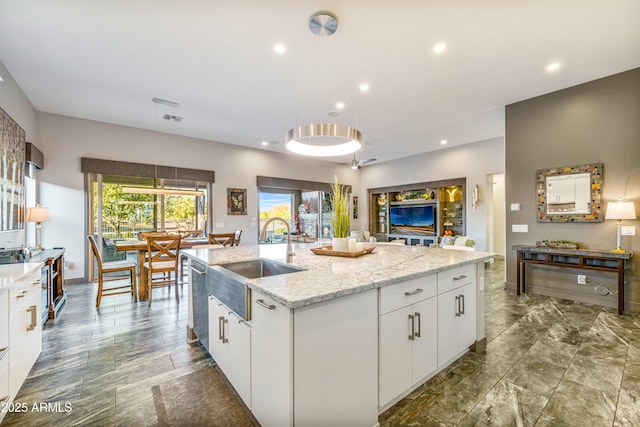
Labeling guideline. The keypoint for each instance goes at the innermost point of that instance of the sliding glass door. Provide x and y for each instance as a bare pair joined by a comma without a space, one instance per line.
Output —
121,207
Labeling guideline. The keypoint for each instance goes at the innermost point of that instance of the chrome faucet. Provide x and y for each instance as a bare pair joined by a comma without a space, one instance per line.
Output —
263,236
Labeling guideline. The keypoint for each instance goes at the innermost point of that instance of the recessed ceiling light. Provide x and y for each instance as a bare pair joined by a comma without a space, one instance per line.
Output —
439,48
340,105
364,87
265,143
1,79
553,66
279,48
443,142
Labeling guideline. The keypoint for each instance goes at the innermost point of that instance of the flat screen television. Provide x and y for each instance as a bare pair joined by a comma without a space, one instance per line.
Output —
417,219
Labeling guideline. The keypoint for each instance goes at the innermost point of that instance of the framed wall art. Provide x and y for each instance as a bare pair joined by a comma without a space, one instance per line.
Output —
12,165
236,201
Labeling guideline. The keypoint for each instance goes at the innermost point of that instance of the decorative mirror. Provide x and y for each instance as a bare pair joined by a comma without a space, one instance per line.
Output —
570,194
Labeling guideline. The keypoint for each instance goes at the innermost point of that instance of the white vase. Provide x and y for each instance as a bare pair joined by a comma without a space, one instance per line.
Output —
340,244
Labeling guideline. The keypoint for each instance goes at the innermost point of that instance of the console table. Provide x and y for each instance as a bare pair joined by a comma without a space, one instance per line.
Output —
602,260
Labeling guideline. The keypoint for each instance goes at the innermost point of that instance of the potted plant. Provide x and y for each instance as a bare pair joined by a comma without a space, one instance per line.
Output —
340,218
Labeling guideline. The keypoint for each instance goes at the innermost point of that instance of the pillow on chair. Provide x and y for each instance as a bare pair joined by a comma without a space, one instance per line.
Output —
464,241
447,240
358,235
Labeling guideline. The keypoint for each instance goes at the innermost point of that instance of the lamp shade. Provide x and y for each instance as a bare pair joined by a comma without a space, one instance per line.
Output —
37,214
620,210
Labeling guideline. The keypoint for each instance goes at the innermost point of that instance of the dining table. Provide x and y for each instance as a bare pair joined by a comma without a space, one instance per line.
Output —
140,246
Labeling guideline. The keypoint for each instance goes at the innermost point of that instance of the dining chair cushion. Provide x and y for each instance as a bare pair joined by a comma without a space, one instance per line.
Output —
118,264
162,265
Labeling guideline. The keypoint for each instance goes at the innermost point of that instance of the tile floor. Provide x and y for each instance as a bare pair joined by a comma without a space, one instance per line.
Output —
548,362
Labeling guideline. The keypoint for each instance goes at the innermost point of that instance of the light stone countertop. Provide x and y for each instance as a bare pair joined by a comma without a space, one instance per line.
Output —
10,273
329,277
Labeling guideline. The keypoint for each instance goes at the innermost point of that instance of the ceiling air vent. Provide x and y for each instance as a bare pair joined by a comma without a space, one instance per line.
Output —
172,117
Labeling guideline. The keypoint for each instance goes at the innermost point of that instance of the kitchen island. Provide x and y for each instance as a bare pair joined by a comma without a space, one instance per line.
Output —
345,338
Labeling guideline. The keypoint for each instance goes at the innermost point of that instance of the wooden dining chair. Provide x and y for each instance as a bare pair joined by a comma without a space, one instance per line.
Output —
236,238
104,268
224,239
144,234
163,262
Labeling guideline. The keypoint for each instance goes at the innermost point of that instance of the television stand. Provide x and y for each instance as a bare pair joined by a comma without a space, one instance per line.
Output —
413,239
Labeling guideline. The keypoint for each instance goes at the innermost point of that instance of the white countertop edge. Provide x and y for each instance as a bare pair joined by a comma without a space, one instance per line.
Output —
326,278
11,273
254,285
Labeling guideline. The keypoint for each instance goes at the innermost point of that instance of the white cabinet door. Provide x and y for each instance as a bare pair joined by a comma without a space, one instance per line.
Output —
25,336
271,362
408,351
425,342
238,364
467,319
456,322
395,354
230,347
447,326
218,332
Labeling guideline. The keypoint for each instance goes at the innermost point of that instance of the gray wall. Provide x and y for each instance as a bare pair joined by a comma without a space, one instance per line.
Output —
596,122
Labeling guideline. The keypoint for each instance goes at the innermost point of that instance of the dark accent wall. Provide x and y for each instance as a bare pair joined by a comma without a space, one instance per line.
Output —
596,122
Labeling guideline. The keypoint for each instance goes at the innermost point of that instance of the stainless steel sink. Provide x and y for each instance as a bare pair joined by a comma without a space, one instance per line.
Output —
261,267
228,282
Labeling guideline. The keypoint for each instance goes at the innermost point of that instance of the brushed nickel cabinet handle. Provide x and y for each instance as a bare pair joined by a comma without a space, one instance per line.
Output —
196,270
35,282
22,294
457,305
462,276
265,305
462,299
413,325
34,322
224,336
409,293
220,326
417,316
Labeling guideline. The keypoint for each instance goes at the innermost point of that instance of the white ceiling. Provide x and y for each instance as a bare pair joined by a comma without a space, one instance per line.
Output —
106,60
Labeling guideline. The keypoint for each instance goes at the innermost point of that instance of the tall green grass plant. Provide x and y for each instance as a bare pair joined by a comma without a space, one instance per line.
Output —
340,220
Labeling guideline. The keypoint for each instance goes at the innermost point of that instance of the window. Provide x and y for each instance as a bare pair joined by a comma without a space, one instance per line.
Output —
117,214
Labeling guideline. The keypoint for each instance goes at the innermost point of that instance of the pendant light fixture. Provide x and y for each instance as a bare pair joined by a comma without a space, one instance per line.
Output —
323,139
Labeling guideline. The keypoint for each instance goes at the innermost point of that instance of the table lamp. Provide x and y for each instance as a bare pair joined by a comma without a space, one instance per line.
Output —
620,210
38,215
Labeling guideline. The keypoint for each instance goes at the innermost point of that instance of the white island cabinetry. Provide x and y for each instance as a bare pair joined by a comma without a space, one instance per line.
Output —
271,362
408,336
456,313
339,341
230,347
20,326
309,359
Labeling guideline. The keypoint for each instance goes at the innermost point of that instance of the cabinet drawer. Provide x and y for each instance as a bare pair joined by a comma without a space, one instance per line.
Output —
452,279
393,297
23,289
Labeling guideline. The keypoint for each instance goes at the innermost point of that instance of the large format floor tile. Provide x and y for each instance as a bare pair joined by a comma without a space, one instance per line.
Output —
548,362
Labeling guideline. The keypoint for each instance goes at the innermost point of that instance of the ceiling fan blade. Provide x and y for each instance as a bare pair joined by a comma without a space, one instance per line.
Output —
364,162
